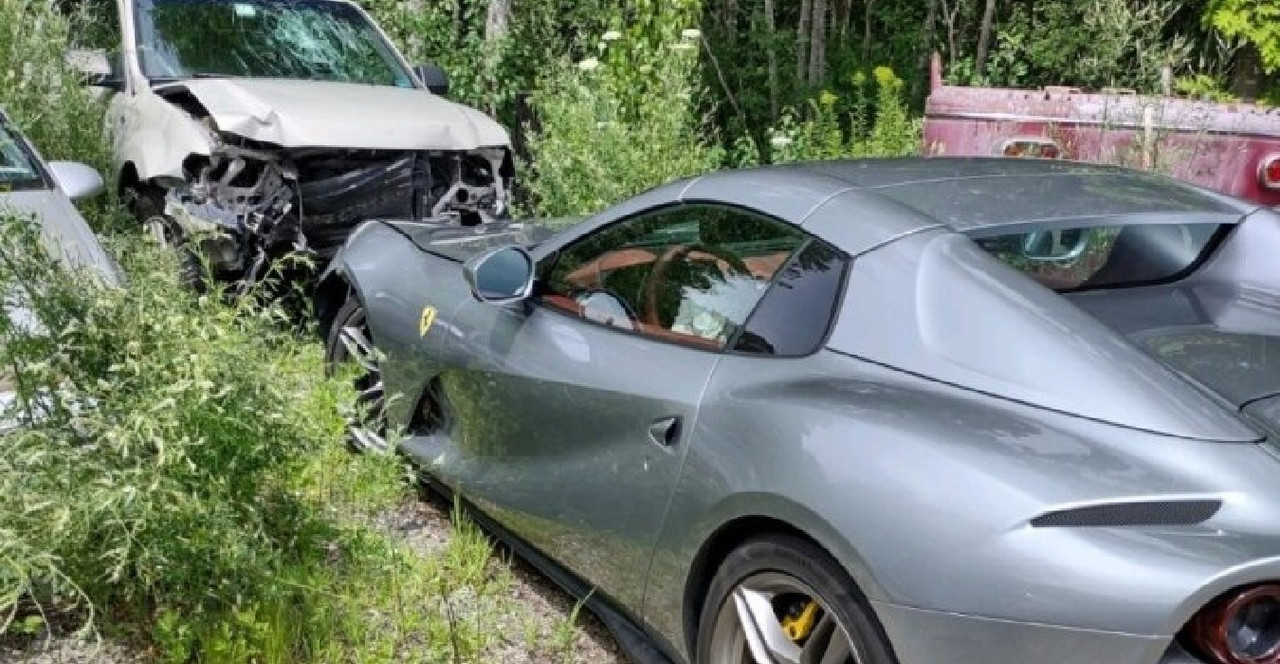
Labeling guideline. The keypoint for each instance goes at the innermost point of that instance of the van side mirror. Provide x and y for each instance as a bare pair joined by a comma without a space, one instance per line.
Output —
433,77
501,275
97,68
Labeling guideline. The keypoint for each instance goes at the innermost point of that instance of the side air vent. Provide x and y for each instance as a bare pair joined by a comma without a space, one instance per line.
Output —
1161,513
432,415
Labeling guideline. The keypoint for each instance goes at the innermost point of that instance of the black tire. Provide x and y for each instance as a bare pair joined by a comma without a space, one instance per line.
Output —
191,272
335,354
367,424
143,200
801,560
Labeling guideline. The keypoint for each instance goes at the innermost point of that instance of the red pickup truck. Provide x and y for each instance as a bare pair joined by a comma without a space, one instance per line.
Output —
1231,148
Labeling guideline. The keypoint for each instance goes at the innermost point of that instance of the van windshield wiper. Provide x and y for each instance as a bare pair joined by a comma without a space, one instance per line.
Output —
164,80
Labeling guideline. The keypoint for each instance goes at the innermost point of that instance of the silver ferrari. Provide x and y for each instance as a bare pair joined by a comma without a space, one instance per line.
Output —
918,411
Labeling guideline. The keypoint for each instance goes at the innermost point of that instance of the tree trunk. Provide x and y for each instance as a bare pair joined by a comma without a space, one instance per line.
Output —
950,17
818,44
802,40
926,49
840,19
866,32
731,20
1246,80
984,38
497,21
770,25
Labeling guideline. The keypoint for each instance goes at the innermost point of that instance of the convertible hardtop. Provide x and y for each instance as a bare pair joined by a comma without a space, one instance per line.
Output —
989,194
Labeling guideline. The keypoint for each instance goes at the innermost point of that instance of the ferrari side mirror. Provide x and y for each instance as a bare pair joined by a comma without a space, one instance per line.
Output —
500,275
78,181
1055,246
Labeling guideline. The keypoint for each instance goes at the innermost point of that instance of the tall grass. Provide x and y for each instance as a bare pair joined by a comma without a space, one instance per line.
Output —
39,90
874,123
177,474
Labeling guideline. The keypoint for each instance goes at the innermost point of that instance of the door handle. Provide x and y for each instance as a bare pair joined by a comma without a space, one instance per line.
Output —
665,432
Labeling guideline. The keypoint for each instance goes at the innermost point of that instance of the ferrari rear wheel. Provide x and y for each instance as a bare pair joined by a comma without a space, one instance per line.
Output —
350,344
780,599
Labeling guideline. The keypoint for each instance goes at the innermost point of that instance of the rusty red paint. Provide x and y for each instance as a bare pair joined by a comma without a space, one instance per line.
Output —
1224,147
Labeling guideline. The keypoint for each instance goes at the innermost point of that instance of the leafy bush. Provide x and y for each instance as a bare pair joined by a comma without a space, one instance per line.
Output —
1203,86
179,476
40,91
154,467
487,69
618,123
888,130
1091,44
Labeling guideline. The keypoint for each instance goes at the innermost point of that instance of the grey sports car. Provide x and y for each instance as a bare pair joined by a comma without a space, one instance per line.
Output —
964,411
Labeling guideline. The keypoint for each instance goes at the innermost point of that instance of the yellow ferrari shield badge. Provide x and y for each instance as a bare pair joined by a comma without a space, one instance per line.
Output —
424,322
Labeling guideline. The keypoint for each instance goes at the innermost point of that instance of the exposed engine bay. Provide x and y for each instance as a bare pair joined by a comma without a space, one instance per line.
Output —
246,202
250,202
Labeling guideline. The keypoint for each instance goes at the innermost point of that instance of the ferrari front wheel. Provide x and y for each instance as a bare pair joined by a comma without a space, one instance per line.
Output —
349,347
781,599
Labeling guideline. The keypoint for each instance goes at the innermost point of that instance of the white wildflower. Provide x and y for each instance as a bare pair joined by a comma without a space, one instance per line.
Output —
612,35
590,64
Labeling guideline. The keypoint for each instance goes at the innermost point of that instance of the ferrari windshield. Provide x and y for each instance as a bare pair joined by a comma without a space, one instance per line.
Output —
321,40
18,168
1082,258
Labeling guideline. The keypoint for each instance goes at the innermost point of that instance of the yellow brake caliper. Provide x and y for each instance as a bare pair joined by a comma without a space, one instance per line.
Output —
799,621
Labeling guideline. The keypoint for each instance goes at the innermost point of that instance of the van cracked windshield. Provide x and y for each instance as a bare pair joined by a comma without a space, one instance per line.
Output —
297,39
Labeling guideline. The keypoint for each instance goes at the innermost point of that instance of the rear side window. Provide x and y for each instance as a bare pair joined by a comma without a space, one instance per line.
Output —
793,318
1073,259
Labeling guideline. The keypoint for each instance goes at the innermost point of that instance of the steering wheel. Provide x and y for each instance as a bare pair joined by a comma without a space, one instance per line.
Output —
677,253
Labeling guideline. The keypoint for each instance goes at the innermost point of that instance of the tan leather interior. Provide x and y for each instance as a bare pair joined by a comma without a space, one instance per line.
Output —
569,306
588,275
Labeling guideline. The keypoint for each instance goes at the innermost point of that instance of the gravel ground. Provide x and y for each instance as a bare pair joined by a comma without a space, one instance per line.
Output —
68,650
534,606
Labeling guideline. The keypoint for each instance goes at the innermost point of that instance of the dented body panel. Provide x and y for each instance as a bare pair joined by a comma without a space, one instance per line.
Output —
153,136
315,114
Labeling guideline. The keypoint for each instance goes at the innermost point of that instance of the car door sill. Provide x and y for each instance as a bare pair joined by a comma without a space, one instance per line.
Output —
638,646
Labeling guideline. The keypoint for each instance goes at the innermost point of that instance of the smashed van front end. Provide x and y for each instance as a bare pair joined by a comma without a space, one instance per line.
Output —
278,127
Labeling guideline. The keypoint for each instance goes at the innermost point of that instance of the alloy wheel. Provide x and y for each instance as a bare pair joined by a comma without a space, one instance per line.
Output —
365,426
773,618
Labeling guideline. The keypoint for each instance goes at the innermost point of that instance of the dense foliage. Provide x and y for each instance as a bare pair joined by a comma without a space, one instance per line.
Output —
165,487
59,115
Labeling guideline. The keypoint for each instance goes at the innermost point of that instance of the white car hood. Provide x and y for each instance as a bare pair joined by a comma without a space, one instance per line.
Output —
298,114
